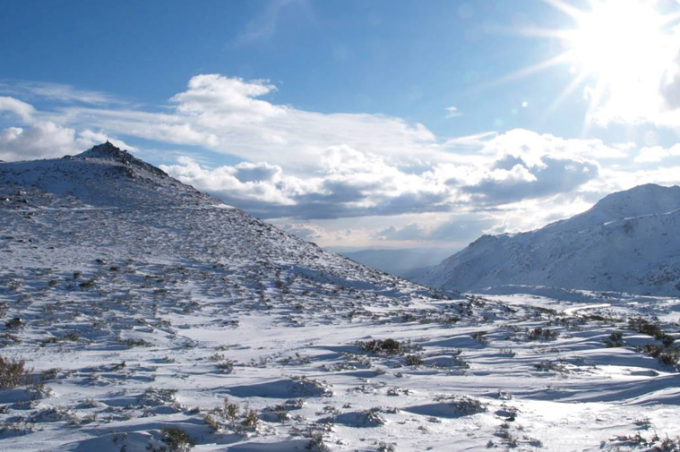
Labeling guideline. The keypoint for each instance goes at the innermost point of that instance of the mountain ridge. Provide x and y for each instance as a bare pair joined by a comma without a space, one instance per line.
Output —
623,243
108,183
84,175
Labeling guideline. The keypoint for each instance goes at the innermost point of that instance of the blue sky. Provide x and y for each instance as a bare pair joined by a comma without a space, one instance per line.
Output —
383,123
406,59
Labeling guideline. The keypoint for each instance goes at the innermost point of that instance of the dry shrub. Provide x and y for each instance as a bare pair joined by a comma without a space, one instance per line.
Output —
13,373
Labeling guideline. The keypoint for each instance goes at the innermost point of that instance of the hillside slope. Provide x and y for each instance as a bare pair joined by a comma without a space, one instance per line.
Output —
107,202
626,242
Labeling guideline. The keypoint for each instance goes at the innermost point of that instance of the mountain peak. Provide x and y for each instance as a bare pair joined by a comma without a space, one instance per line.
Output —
641,191
104,175
108,151
644,199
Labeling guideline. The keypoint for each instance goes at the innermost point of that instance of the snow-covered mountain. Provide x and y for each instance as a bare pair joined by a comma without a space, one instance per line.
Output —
138,314
106,201
627,242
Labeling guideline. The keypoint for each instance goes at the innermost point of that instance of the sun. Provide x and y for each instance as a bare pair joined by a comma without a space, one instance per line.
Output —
622,50
622,39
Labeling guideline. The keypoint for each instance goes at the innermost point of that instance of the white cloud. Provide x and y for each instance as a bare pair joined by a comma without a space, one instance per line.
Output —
224,182
530,146
475,141
453,112
458,229
513,180
226,115
23,110
613,179
521,164
347,183
301,164
653,154
254,172
42,140
56,92
215,100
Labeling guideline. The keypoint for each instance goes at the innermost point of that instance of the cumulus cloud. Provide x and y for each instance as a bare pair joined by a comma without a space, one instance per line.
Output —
317,165
617,179
348,183
224,182
670,92
215,100
42,139
48,140
546,177
522,164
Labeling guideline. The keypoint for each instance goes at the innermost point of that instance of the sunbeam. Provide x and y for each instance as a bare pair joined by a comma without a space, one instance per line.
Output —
621,50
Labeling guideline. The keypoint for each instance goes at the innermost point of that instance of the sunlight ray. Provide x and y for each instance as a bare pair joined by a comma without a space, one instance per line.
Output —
597,94
566,92
626,46
545,33
565,8
543,65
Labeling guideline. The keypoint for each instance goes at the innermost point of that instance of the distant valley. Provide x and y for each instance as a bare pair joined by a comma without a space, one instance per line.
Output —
399,262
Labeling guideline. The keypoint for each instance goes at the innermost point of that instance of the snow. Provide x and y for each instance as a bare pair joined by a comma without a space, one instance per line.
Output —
626,243
572,311
145,305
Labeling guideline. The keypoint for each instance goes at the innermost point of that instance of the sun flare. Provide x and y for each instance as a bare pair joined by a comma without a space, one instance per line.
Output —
620,39
622,50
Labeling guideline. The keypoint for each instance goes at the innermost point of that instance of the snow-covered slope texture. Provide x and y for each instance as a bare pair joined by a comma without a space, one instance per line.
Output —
627,242
106,202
